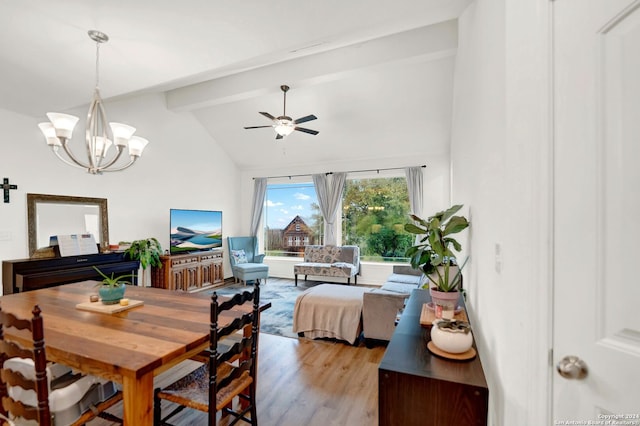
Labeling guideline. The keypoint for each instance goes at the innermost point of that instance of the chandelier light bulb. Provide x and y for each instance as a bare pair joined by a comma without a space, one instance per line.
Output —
63,124
121,133
102,144
50,134
136,146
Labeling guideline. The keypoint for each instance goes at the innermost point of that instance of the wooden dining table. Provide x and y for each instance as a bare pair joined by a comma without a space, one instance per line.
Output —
128,347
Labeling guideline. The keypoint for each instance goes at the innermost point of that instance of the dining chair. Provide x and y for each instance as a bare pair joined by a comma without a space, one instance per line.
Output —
229,373
50,394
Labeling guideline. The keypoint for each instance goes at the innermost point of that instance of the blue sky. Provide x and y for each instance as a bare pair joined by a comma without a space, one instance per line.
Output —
197,220
286,201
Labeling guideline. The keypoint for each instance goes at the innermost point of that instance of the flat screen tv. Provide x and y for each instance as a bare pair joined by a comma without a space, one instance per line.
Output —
195,230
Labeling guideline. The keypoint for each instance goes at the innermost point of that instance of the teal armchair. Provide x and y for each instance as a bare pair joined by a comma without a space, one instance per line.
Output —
246,263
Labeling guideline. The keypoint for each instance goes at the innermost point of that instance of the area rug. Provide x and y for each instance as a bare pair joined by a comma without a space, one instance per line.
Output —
282,294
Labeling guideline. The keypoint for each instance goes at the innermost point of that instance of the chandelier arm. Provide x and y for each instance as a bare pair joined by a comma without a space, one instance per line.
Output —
64,160
65,146
113,160
117,169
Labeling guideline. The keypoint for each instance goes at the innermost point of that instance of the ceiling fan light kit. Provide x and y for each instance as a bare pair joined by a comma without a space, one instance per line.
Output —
285,125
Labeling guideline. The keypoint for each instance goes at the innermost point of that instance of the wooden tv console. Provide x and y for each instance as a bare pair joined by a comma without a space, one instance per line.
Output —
189,272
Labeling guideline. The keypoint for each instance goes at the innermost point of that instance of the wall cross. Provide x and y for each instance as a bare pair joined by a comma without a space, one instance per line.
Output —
6,186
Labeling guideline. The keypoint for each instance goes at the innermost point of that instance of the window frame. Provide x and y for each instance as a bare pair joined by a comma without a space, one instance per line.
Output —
306,179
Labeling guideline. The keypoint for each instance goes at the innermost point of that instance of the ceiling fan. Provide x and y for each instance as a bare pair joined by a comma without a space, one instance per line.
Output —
284,125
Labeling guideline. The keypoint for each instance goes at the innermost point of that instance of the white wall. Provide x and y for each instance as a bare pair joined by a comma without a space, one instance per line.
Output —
182,167
499,171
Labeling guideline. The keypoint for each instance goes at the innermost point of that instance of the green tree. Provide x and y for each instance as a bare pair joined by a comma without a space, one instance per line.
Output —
374,212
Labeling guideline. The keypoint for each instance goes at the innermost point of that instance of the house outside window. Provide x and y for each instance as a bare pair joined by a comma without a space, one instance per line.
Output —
374,212
291,215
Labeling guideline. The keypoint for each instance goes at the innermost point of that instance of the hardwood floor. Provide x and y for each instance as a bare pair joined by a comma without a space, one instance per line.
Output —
304,382
307,382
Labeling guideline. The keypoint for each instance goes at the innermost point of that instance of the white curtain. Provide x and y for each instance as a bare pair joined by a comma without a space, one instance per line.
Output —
259,190
329,189
415,187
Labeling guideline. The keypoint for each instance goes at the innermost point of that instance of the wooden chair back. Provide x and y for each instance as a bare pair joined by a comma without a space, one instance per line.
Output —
229,366
9,349
243,351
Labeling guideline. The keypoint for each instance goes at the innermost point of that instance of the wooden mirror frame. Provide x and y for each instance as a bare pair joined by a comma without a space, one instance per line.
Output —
32,205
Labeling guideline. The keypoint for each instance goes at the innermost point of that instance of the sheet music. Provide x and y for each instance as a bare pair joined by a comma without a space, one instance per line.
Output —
77,244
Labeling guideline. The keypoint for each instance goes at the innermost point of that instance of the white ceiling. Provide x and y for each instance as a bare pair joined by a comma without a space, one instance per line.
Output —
376,73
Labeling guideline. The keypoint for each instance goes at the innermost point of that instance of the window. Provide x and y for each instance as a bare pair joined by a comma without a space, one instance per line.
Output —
374,212
292,219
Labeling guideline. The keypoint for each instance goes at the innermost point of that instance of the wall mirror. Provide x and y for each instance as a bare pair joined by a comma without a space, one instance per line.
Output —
49,215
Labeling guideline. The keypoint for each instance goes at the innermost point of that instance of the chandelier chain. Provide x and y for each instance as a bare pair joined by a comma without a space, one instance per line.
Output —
97,64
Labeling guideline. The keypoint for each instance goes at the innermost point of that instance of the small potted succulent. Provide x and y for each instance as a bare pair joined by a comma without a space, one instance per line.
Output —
434,253
111,288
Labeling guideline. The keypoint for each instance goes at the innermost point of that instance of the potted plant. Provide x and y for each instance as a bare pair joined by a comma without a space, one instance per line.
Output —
148,252
111,289
434,253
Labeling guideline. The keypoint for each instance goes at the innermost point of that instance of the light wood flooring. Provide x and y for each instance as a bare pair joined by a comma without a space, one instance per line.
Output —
304,382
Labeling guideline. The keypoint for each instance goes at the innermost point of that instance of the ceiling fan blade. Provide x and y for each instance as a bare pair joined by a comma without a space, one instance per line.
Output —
305,119
269,116
278,136
302,129
257,127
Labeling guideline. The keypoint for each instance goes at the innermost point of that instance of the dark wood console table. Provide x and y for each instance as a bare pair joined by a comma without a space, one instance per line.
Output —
419,388
31,274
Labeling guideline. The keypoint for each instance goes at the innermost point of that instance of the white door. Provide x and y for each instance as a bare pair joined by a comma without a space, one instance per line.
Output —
596,54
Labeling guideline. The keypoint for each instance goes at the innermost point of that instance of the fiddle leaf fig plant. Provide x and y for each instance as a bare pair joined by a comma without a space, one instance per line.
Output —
434,253
147,251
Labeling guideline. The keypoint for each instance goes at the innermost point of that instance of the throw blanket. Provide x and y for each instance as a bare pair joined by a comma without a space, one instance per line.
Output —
329,310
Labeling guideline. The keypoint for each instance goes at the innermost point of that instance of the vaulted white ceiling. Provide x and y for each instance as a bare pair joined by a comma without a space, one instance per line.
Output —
377,74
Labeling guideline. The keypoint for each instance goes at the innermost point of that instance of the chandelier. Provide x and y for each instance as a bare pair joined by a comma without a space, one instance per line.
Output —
99,137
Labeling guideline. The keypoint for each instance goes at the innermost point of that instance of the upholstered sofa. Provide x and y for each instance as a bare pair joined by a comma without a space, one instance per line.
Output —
329,261
381,306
